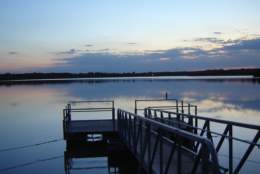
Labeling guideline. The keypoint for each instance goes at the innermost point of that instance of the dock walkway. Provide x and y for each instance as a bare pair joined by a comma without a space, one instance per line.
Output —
162,141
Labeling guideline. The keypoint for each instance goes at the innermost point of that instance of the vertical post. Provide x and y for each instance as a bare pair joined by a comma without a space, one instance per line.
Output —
177,113
190,118
113,116
149,147
149,113
64,123
135,106
135,135
196,120
230,142
166,96
145,113
129,129
69,112
161,151
182,111
119,121
176,105
123,125
126,125
141,135
179,160
205,158
155,113
161,113
189,108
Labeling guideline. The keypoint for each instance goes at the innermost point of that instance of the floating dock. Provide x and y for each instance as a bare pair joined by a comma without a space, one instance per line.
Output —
164,139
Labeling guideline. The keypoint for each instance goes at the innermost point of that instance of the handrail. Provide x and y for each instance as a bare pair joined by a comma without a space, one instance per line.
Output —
239,124
170,107
67,112
128,116
68,109
90,101
227,133
208,131
89,109
93,101
178,104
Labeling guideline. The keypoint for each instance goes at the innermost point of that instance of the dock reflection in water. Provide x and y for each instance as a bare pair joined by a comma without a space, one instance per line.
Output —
99,156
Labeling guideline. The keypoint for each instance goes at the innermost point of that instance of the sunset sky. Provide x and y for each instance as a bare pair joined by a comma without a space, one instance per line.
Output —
128,35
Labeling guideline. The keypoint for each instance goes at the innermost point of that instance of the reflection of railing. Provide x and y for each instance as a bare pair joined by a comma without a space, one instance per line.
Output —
180,119
142,136
67,112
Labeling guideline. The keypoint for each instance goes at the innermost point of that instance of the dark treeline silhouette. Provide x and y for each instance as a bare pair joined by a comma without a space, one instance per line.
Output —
215,72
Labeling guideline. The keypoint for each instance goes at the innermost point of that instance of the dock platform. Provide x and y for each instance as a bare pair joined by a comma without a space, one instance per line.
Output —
92,126
161,140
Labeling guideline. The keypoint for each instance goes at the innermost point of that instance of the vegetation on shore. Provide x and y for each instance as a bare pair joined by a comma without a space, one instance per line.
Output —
216,72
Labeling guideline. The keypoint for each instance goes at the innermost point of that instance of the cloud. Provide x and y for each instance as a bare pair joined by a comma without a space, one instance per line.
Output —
217,33
13,52
251,44
219,41
210,40
89,45
71,51
131,43
241,53
165,58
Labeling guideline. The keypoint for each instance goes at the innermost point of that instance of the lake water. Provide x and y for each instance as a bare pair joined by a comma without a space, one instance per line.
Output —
32,113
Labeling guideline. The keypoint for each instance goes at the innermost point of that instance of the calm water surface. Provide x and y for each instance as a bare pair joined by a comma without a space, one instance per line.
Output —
32,113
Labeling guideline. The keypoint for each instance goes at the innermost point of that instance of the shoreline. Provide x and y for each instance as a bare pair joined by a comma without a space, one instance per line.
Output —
209,77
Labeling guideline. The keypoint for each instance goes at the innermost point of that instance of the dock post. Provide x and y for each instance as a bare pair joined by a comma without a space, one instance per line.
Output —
205,158
182,111
177,113
69,112
196,120
230,144
135,107
113,115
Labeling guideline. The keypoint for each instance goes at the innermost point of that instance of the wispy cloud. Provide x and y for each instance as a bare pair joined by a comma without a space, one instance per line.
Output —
165,58
89,45
131,43
217,32
69,52
13,52
219,41
210,40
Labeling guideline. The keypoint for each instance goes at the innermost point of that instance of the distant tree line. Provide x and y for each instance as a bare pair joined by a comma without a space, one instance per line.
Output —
216,72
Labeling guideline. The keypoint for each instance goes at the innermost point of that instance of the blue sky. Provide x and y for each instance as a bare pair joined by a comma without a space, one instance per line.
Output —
129,35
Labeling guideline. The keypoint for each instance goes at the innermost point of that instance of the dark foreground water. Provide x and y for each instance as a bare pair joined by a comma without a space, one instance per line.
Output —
32,113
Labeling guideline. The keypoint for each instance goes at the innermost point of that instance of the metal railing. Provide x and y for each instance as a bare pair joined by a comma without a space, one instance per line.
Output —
143,135
178,106
67,112
179,119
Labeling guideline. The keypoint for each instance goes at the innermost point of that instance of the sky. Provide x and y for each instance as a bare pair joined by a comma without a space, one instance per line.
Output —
128,36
